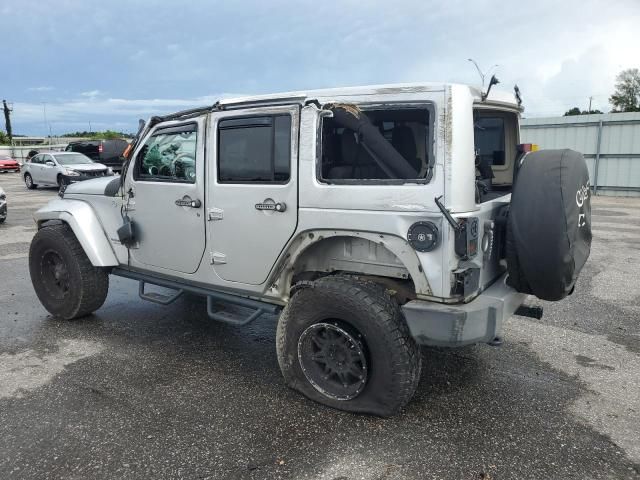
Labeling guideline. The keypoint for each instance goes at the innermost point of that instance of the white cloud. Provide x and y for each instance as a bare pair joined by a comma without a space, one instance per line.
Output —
40,89
91,93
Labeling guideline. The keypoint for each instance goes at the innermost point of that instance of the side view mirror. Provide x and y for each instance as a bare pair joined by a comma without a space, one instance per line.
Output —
49,163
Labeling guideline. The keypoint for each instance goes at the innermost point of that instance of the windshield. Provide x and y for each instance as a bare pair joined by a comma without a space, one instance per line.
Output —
72,159
5,157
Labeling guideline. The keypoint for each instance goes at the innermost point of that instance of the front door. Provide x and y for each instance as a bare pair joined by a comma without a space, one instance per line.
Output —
49,172
167,201
253,207
36,164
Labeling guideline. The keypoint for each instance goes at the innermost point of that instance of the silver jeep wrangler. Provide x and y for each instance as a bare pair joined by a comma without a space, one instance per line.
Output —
372,219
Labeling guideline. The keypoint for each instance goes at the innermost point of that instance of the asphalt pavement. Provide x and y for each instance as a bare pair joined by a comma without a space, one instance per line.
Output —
140,390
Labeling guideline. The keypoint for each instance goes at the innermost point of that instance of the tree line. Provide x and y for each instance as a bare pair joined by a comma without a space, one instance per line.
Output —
625,98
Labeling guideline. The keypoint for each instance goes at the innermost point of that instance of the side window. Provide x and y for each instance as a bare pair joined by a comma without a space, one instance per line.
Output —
35,159
169,155
397,146
254,149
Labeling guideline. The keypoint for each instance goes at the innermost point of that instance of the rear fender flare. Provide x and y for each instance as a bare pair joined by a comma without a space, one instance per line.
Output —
284,271
85,225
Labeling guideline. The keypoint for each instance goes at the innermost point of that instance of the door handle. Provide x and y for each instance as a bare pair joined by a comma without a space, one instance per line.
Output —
187,202
276,207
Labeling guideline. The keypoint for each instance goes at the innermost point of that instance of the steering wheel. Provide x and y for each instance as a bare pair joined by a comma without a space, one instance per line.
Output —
180,156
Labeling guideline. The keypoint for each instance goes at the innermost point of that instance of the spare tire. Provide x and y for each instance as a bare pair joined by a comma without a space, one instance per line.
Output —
549,224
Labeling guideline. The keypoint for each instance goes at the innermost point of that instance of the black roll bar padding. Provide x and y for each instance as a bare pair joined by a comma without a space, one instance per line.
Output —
373,141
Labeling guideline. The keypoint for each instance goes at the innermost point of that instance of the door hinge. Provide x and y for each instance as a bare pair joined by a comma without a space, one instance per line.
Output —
218,258
214,214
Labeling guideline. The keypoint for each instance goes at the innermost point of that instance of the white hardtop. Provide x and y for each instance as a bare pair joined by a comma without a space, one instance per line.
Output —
371,93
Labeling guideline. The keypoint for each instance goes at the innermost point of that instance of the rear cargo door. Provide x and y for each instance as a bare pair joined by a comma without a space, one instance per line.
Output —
495,140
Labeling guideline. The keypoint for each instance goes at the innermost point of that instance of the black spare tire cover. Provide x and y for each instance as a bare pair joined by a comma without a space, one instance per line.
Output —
549,225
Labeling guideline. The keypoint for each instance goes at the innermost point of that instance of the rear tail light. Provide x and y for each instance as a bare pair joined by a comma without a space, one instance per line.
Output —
528,147
100,148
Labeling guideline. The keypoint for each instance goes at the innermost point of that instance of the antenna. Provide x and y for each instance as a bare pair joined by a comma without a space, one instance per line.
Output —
480,72
492,82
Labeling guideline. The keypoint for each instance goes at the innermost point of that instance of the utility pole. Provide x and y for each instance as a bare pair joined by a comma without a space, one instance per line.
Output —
7,120
44,113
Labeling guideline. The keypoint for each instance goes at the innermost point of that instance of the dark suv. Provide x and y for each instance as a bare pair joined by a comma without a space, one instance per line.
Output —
107,152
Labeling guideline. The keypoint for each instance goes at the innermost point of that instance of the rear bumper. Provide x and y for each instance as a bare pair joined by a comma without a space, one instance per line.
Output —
11,168
478,321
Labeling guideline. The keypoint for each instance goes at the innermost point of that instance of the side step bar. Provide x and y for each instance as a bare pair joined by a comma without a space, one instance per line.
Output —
157,297
257,307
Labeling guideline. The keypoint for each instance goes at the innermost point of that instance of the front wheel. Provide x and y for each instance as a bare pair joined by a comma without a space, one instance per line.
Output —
64,279
344,343
28,181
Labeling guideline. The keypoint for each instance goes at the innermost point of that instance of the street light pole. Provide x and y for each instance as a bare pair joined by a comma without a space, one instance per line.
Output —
480,72
44,113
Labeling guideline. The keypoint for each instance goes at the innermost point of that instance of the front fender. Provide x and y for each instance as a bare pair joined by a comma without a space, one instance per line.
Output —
85,225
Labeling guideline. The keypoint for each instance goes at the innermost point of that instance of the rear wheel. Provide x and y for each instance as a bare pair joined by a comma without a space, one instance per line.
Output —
60,181
343,342
64,279
28,181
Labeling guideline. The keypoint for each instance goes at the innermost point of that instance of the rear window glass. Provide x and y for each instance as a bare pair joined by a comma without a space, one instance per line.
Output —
489,140
395,147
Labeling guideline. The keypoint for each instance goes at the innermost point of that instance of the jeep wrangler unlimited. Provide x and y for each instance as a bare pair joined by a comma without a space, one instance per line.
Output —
373,219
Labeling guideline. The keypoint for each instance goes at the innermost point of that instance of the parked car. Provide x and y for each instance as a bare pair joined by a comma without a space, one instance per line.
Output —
8,164
375,219
3,205
61,168
108,152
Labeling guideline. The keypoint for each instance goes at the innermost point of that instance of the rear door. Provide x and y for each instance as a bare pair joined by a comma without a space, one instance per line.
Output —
253,196
495,138
167,205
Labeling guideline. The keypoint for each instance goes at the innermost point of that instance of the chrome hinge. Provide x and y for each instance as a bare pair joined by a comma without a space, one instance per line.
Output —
218,258
214,214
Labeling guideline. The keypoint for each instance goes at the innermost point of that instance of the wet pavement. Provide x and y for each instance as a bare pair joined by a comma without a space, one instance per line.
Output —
144,391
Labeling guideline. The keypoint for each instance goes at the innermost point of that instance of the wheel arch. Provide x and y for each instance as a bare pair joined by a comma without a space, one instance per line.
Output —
365,253
85,225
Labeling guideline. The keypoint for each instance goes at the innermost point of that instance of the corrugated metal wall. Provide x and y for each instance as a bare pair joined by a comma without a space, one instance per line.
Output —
610,143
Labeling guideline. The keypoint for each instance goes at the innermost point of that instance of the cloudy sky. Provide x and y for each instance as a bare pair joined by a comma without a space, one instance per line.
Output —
112,62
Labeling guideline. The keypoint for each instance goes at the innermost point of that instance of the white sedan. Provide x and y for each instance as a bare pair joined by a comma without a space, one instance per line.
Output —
3,205
61,168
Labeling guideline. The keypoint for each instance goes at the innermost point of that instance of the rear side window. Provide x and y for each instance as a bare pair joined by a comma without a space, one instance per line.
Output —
254,149
169,155
391,145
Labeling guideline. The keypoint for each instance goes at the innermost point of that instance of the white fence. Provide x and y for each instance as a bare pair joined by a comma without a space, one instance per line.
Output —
610,143
21,152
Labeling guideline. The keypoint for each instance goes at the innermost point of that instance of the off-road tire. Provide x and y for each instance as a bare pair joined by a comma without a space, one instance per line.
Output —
87,285
394,359
29,183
